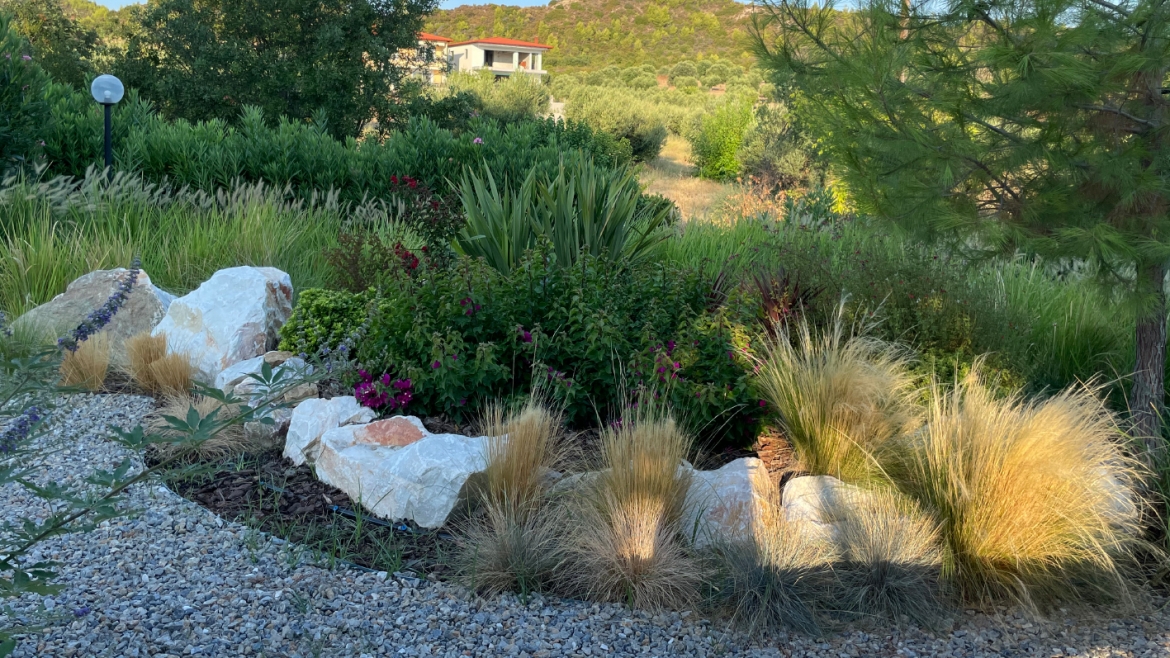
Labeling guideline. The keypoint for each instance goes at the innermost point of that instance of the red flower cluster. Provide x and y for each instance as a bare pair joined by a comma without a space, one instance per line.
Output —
412,183
409,260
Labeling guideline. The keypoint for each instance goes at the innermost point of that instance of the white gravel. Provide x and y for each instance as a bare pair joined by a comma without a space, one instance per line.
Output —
176,580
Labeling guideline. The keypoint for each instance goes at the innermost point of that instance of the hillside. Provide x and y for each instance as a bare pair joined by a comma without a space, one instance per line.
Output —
591,34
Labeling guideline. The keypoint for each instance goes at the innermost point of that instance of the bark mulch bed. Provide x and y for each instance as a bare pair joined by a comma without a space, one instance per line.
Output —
267,492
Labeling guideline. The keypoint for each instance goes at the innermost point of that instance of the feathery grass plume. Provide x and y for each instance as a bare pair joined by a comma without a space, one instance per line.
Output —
231,440
88,364
142,351
1034,498
626,541
840,399
523,448
173,375
514,542
889,558
781,576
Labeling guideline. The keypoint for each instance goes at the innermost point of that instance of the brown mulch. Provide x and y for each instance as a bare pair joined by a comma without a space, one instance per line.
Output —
269,493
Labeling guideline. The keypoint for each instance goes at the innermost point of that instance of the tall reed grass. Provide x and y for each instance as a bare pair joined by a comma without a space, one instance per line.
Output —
53,231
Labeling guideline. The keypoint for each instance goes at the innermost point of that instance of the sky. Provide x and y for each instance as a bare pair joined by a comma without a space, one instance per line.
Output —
446,4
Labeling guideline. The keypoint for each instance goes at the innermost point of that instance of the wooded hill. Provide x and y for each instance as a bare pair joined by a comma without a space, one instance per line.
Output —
592,34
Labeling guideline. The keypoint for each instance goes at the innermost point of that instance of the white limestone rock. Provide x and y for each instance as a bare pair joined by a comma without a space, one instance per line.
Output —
723,504
232,317
399,470
144,308
313,417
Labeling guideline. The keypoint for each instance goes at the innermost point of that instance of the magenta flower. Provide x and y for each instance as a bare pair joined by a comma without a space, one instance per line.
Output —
763,404
435,365
477,140
26,58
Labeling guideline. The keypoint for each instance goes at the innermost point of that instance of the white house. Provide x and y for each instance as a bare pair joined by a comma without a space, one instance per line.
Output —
498,55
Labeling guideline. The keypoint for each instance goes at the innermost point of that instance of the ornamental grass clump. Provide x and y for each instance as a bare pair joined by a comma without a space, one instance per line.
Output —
142,351
840,399
889,558
626,541
88,363
778,578
1035,500
232,439
512,543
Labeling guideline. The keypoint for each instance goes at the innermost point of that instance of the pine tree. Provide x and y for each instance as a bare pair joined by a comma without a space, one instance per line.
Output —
1003,126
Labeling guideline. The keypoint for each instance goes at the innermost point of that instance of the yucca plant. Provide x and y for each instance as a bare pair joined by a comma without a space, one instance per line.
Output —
583,209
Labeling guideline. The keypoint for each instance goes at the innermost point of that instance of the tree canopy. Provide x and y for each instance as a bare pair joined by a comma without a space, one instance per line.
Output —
205,59
1001,125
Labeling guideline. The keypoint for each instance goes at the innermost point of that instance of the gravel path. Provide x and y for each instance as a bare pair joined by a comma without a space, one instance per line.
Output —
176,580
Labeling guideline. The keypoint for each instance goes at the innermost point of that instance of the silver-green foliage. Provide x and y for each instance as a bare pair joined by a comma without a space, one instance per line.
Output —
582,209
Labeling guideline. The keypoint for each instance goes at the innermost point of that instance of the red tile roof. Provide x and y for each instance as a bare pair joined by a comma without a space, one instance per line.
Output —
501,41
427,36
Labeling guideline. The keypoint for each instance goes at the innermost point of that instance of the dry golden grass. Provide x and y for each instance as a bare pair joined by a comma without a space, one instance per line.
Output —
172,375
514,541
88,366
840,399
625,544
523,449
1034,499
142,351
233,439
672,175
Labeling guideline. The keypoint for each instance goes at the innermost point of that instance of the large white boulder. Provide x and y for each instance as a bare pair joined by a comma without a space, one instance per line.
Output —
723,504
313,417
397,469
231,317
144,308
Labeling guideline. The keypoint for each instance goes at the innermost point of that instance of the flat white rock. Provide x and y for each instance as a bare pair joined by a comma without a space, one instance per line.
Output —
313,417
397,469
232,317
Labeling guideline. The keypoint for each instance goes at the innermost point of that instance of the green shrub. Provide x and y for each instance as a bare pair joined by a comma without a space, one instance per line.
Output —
717,143
469,334
210,155
683,69
515,98
687,84
777,153
581,210
616,113
23,110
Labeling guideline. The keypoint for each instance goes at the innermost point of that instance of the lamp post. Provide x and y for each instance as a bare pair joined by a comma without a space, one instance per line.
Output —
108,90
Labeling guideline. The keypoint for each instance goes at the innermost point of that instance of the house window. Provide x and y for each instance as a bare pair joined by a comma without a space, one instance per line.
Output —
487,57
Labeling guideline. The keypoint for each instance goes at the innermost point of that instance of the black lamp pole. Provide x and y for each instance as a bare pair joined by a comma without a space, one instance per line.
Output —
109,143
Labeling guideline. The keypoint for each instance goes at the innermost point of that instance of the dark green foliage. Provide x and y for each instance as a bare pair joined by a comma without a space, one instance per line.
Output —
303,156
63,47
778,153
23,110
592,333
207,59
